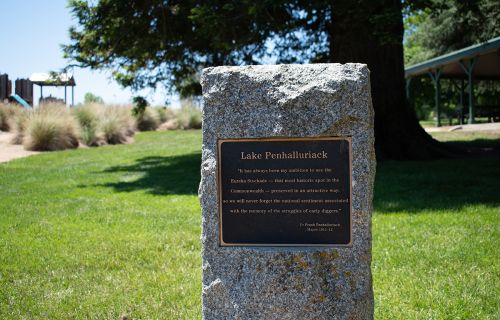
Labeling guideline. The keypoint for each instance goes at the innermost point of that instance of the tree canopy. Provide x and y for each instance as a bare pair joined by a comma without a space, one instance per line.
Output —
92,98
146,43
445,26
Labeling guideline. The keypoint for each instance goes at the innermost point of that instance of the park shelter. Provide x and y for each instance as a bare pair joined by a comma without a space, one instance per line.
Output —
55,79
477,62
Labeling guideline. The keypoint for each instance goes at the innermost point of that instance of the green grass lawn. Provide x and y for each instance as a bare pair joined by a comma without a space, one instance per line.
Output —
454,122
470,138
104,232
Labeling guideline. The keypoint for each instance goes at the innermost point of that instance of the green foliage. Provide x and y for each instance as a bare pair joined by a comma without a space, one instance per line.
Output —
169,43
140,104
443,27
49,128
447,26
91,98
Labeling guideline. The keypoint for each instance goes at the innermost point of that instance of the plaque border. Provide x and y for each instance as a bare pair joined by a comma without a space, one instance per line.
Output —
220,141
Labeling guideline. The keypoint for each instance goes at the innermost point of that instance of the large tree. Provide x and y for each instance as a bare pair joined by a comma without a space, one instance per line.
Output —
153,42
446,26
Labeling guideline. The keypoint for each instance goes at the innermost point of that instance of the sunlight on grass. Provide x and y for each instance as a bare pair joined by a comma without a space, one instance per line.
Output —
73,246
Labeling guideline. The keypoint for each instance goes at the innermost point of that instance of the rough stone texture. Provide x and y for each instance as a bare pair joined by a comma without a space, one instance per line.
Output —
288,283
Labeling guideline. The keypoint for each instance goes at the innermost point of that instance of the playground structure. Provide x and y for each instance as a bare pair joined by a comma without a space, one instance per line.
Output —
54,79
24,88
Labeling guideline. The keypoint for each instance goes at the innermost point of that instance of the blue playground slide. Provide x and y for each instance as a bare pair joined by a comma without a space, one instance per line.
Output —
21,101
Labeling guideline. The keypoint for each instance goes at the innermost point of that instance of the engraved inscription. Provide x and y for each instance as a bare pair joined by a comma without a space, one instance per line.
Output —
285,192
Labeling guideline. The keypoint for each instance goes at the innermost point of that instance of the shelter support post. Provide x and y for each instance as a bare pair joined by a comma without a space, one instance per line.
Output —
462,92
65,102
435,76
72,96
408,87
469,71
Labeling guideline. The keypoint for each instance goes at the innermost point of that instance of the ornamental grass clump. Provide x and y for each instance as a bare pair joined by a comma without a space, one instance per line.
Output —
88,116
189,117
4,126
8,114
147,119
165,114
117,124
51,127
19,126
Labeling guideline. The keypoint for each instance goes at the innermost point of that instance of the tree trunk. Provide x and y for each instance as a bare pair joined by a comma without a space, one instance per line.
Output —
371,32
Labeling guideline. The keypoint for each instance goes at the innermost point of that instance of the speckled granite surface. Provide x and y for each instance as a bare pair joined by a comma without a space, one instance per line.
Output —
288,283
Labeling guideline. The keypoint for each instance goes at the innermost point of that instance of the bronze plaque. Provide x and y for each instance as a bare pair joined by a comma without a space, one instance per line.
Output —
285,191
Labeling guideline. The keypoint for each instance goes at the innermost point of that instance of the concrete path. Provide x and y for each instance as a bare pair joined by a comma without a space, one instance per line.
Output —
10,151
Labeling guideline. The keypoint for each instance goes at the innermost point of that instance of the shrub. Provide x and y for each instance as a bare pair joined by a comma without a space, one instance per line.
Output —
165,114
3,122
51,127
91,98
140,104
117,124
162,114
8,113
189,117
88,116
4,125
19,126
148,120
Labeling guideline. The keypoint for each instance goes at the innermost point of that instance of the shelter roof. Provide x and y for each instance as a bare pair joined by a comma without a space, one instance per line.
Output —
486,65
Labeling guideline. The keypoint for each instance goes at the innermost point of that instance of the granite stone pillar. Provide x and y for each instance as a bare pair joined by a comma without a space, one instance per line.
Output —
288,282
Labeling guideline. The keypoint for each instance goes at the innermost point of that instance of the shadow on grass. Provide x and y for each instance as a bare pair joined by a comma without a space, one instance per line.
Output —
478,147
161,175
437,185
399,186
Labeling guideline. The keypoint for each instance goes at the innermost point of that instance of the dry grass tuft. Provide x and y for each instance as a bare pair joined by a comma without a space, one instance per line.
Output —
51,127
189,117
8,114
117,124
165,114
148,120
88,116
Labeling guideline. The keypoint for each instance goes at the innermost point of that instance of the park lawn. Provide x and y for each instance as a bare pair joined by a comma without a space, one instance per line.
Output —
436,240
104,232
473,139
446,122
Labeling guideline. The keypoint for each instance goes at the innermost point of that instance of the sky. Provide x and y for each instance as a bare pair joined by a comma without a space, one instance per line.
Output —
31,35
